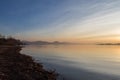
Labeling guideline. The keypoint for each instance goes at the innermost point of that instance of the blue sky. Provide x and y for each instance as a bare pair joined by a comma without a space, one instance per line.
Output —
75,20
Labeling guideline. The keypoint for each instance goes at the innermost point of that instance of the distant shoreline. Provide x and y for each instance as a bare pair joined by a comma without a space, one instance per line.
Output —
108,44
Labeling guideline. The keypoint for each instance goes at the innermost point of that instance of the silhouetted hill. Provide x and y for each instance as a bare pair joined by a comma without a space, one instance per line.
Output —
45,43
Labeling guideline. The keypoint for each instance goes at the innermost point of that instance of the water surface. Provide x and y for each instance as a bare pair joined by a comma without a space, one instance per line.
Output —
79,62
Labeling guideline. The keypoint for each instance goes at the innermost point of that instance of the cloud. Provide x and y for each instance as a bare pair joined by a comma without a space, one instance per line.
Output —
76,19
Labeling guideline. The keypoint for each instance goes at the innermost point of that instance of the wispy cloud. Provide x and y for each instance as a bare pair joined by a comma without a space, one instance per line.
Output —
76,19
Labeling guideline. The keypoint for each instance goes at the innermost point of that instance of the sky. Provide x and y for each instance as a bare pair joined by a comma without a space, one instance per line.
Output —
61,20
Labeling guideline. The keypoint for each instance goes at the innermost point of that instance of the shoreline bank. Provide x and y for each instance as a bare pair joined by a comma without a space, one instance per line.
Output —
16,66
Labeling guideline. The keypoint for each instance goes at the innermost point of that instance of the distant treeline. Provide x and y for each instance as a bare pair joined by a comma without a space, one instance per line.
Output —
9,41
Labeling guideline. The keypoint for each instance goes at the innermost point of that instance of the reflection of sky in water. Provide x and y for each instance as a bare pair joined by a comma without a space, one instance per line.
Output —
75,61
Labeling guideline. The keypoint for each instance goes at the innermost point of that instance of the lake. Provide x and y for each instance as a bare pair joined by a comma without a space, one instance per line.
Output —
78,62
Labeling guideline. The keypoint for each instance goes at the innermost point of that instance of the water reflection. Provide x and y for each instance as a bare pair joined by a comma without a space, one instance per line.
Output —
75,62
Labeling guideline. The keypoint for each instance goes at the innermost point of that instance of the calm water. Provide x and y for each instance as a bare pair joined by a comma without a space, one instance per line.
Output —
79,62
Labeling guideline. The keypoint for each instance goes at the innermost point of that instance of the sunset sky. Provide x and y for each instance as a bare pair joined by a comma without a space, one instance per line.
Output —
61,20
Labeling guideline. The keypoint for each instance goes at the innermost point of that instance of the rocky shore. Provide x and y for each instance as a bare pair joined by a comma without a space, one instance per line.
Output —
16,66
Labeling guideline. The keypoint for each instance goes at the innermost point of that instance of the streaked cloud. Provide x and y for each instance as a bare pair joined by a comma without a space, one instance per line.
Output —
69,19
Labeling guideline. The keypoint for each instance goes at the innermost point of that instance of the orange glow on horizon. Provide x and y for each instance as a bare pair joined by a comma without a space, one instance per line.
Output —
75,40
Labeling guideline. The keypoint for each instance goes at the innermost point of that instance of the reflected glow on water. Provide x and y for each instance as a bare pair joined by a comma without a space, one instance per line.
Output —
97,61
